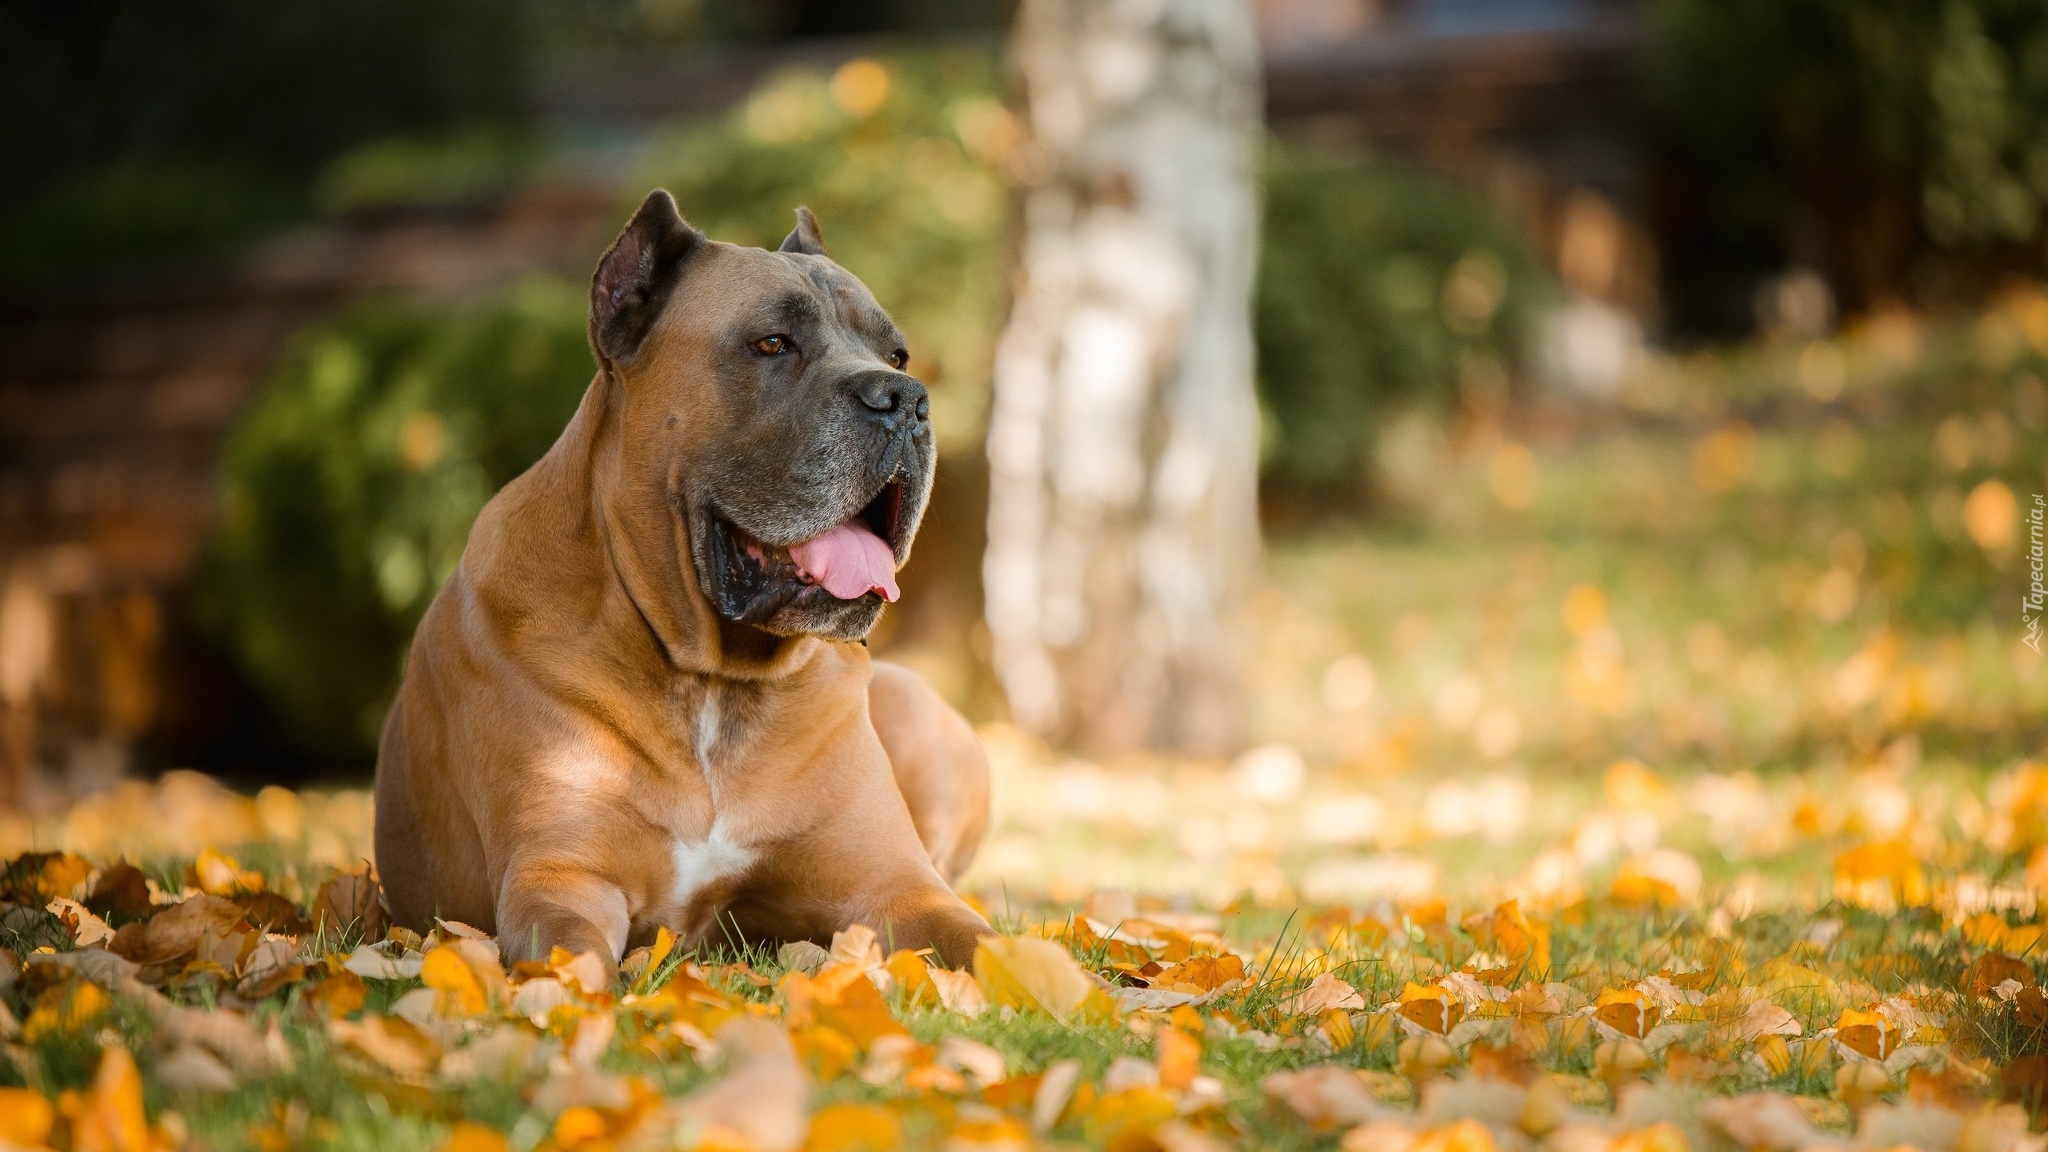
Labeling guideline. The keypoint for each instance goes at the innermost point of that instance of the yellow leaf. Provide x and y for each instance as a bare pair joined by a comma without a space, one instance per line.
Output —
219,874
1459,1136
1123,1121
657,955
826,1050
25,1117
1881,875
109,1117
1030,973
578,1126
460,992
1180,1058
854,1128
1775,1054
912,977
468,1137
1659,1137
64,1010
1664,877
1337,1029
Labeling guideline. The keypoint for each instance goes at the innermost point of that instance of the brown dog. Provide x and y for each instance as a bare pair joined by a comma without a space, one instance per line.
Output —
642,699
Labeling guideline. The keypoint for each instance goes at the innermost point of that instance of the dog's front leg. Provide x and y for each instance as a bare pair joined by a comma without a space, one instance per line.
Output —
545,904
929,917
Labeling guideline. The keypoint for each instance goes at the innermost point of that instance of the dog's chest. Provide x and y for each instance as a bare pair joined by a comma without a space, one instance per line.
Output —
705,864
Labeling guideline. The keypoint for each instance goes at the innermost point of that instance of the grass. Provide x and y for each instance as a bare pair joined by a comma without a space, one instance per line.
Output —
1639,758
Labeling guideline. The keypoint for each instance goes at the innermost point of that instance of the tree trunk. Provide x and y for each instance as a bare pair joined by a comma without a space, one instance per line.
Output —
1123,442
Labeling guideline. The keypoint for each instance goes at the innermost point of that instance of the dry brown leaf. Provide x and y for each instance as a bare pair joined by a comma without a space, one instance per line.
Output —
200,921
391,1043
190,1068
347,902
121,890
85,929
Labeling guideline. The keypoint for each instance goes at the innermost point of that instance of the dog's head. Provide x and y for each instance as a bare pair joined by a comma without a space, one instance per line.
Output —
766,404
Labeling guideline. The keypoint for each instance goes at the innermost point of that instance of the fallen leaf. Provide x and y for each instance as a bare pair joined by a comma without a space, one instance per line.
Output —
1326,1096
376,962
347,904
1323,993
26,1117
84,928
1992,969
341,994
109,1117
1430,1007
759,1103
1032,973
121,890
1626,1011
190,1068
854,1128
1867,1034
218,874
196,922
391,1043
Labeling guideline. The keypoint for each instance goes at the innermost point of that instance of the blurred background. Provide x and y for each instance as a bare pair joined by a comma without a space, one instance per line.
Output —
1657,380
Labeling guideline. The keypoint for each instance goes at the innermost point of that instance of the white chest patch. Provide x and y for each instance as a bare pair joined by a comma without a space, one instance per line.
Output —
705,729
702,863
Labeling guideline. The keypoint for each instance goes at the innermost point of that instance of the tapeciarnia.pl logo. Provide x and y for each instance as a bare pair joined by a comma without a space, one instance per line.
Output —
2037,594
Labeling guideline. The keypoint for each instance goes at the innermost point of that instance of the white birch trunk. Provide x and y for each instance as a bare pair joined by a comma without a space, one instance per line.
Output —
1123,441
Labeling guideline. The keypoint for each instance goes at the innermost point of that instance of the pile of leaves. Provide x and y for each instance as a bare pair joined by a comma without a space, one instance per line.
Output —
222,1006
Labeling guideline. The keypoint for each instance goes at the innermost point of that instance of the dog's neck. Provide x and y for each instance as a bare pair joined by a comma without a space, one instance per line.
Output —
642,544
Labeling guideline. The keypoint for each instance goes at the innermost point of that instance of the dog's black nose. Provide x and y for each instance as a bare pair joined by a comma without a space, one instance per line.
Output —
892,397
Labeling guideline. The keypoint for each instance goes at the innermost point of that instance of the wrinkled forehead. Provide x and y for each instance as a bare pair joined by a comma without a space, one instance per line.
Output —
762,293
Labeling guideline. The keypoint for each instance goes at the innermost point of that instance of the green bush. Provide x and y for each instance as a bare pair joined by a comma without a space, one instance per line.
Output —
1380,289
1900,146
351,485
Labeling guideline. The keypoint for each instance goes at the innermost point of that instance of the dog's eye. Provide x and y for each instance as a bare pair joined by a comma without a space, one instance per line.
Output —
772,345
898,359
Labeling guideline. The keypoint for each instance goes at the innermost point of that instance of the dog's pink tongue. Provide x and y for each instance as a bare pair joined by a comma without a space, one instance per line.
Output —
849,561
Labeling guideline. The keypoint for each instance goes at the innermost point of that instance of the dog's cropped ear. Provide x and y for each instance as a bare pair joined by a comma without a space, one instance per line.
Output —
633,279
804,237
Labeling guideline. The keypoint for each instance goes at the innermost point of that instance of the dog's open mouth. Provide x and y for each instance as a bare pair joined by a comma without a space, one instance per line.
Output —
848,561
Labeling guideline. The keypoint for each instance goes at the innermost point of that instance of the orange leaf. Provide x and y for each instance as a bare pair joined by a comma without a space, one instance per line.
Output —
1431,1007
25,1118
1627,1011
1867,1034
109,1117
854,1128
1180,1058
340,994
1994,968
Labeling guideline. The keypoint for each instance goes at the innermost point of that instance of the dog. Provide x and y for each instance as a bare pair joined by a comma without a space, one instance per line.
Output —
644,697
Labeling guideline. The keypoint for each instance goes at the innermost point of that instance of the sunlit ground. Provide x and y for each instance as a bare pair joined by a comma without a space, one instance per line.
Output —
1647,775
